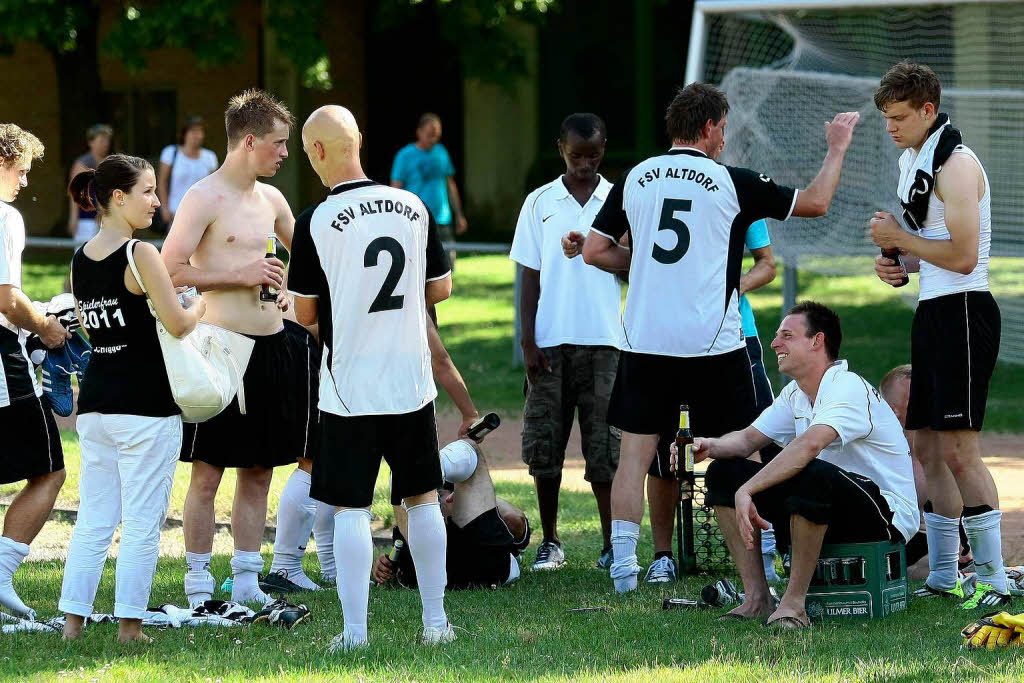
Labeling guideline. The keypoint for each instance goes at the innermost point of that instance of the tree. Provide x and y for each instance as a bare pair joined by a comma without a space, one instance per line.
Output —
487,49
68,29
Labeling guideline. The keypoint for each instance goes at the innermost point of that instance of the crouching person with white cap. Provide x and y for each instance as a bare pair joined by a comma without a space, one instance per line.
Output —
486,534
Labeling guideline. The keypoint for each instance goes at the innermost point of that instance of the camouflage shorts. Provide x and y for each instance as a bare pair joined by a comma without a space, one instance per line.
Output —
581,378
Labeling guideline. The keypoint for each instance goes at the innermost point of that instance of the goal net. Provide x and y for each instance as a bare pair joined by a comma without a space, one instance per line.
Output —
788,69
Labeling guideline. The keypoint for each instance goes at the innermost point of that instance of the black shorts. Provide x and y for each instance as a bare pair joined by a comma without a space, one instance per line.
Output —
649,390
32,443
850,504
954,343
478,554
351,449
281,421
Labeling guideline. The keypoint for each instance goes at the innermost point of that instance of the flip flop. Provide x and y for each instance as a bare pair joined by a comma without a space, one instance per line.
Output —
789,623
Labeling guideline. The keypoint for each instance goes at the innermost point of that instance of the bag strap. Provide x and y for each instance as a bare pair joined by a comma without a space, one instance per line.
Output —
135,270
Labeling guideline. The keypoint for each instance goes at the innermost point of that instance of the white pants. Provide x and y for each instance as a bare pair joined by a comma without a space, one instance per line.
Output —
128,466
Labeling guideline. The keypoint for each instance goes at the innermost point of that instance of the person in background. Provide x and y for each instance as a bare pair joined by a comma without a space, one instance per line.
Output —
182,165
425,169
82,224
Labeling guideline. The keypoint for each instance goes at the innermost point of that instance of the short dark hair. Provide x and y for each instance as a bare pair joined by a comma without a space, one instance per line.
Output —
898,373
191,122
821,318
91,190
585,125
910,82
428,117
254,112
96,130
691,108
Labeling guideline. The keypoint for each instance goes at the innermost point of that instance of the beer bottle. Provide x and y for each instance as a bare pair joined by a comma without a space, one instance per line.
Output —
894,255
396,551
268,293
484,426
684,441
687,491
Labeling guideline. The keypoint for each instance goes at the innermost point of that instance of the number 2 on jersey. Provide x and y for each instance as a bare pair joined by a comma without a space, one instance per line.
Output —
668,221
385,300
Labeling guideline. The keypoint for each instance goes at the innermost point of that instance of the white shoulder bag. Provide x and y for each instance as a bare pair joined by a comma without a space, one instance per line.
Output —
205,367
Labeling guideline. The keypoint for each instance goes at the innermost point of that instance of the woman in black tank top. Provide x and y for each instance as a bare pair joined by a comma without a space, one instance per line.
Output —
129,426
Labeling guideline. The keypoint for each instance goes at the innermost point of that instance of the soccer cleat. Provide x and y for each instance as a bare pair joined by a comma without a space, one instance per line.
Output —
550,556
278,582
662,570
281,613
986,596
965,587
438,636
604,561
57,370
79,352
342,643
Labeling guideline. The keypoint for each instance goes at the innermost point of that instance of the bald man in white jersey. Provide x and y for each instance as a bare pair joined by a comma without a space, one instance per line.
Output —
947,202
366,263
218,243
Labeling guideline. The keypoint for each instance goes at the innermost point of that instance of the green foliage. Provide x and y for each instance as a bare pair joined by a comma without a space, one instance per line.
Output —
53,23
295,26
488,49
204,27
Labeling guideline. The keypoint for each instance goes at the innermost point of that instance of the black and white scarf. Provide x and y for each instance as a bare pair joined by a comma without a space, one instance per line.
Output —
918,170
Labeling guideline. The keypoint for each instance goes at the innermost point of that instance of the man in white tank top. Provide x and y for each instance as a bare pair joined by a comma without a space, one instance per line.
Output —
955,336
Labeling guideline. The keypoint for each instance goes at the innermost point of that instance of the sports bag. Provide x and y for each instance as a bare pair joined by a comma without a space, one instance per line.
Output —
205,367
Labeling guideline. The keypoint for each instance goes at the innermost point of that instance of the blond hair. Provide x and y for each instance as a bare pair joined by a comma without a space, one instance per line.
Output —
254,112
898,373
18,146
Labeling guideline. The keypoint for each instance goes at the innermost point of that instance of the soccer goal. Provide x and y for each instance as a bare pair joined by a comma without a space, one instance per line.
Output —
788,66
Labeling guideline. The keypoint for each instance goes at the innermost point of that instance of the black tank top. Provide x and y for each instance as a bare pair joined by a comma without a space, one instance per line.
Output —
126,374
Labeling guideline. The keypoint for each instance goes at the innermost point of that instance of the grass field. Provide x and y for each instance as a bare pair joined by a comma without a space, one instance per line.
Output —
527,631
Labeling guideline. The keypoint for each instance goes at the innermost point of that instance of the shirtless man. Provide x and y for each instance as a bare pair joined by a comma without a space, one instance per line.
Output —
218,243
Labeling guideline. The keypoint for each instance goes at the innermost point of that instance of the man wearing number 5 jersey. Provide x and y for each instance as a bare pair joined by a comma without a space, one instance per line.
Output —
366,263
687,217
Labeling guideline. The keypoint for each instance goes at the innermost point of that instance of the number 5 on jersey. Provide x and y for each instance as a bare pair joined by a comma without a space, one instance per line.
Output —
668,221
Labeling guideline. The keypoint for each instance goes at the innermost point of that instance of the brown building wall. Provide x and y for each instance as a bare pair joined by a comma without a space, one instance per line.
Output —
29,87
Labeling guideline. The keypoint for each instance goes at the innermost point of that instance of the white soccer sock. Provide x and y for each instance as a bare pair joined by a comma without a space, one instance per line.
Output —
323,532
12,554
428,543
624,568
245,587
985,536
199,582
943,550
295,515
353,546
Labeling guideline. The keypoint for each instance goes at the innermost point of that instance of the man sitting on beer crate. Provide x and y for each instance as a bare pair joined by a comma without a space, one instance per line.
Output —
843,476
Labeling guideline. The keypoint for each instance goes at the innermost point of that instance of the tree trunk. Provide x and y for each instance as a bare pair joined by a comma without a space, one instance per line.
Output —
78,86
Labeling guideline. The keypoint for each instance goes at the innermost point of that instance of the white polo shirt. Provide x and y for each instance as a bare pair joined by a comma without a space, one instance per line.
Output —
579,304
870,443
17,376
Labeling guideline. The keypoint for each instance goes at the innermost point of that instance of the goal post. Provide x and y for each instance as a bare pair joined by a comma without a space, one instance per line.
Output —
789,65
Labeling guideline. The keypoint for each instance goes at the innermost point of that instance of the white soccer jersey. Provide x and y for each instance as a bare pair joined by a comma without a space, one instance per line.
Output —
687,216
17,377
367,252
563,316
936,281
871,441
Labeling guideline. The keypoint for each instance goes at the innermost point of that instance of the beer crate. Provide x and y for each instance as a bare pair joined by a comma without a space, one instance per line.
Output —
859,580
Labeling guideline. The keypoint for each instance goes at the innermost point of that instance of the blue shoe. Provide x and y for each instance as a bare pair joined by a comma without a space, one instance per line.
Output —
57,370
79,351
